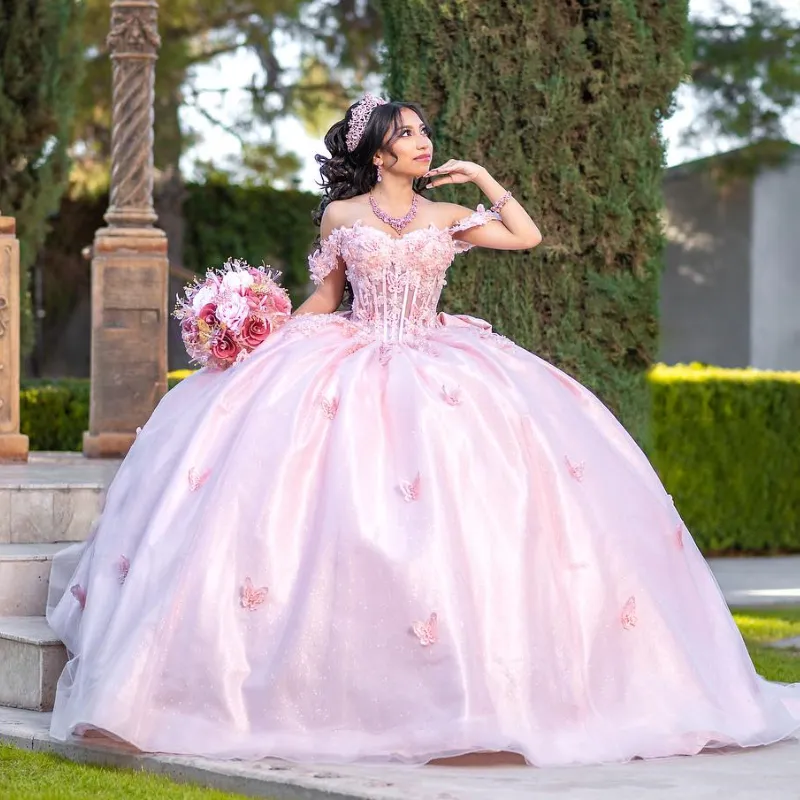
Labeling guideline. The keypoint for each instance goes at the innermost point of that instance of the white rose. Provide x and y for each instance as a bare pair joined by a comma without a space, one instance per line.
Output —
205,295
237,281
233,311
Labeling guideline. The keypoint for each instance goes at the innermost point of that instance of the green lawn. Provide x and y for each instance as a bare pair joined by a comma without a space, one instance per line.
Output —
761,626
37,776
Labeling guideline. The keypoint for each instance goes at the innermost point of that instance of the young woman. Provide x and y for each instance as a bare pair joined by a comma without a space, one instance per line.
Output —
392,534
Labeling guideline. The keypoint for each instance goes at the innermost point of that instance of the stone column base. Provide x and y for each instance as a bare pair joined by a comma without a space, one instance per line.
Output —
129,336
107,445
13,447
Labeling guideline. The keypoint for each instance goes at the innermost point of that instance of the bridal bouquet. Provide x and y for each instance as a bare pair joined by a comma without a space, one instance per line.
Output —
230,313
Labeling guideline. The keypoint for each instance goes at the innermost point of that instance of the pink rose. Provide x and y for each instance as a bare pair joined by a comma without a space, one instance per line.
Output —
224,348
208,313
255,331
280,301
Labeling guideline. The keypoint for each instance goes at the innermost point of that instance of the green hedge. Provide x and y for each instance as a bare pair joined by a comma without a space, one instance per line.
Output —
54,414
724,442
563,103
726,446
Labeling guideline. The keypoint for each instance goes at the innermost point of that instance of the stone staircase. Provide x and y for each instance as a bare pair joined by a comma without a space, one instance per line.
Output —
44,505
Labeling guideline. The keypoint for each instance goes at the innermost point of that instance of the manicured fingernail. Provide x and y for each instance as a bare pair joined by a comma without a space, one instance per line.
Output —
429,186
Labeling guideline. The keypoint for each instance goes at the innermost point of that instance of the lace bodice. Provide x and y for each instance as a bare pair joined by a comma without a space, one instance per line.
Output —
396,280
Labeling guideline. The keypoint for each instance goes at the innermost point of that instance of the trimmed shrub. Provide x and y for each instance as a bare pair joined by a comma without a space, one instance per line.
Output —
562,102
54,414
725,444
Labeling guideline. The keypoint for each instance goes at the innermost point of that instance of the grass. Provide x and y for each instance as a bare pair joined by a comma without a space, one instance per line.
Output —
761,626
39,776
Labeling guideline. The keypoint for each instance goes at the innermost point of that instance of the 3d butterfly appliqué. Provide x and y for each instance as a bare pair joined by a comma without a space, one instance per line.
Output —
197,479
252,598
411,490
427,632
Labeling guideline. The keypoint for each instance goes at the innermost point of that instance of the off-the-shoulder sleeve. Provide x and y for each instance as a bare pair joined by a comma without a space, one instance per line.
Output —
480,216
324,259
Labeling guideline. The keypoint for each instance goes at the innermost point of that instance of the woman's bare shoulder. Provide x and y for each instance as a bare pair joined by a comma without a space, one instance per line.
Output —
446,214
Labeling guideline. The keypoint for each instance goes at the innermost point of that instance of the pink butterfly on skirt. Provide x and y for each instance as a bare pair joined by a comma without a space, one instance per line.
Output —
576,470
123,565
329,407
197,479
451,396
410,491
79,593
628,616
679,535
427,632
252,598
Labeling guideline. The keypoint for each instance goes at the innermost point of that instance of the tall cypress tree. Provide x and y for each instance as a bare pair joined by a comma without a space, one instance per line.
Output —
561,101
40,58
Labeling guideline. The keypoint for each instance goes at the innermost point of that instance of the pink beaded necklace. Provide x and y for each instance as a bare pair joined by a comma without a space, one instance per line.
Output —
398,223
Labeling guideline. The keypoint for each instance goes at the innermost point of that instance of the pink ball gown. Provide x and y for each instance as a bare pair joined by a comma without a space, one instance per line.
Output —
395,535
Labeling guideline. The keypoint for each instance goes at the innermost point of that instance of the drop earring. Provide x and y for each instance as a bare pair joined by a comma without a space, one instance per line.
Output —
380,173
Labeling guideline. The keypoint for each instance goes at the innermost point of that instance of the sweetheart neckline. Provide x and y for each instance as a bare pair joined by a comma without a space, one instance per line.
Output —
360,225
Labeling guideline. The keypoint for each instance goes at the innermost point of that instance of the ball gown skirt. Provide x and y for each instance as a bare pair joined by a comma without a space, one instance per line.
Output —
393,535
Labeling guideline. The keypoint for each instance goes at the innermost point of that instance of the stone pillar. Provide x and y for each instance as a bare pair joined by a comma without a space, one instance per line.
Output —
13,444
129,258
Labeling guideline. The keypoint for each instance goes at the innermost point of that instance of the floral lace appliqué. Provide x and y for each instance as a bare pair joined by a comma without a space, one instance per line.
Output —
324,260
79,593
628,616
396,280
123,567
427,632
252,598
197,478
411,490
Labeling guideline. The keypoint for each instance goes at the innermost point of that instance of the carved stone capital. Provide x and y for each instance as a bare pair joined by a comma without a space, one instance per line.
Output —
134,28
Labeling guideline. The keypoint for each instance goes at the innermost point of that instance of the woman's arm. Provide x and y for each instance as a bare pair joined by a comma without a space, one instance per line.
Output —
328,295
517,231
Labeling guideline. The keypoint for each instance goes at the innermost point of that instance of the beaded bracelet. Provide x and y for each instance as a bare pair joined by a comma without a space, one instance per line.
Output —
504,198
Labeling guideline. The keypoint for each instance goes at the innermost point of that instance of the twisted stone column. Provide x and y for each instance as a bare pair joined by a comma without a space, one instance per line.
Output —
129,257
13,444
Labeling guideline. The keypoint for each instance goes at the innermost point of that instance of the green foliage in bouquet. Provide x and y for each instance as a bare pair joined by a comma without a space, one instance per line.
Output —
725,444
562,103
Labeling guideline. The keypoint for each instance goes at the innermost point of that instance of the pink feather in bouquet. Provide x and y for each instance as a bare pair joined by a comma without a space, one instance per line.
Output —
230,313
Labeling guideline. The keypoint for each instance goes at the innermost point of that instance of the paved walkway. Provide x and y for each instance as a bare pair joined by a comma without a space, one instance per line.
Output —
759,581
767,773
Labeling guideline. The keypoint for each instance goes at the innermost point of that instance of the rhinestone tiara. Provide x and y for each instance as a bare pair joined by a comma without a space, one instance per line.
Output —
359,119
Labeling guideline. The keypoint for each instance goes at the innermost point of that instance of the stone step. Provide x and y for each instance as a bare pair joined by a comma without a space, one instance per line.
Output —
24,577
55,497
31,660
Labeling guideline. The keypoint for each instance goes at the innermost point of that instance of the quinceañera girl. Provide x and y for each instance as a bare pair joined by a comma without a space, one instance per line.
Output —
392,534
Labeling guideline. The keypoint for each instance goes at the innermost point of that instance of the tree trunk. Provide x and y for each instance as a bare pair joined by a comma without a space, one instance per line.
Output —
562,103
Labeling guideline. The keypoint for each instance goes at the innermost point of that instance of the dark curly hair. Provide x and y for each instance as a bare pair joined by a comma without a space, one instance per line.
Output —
345,174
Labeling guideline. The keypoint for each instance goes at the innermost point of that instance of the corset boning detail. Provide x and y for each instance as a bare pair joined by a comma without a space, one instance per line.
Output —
397,282
396,303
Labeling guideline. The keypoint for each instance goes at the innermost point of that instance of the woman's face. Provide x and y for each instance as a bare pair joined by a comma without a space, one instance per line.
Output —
411,146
